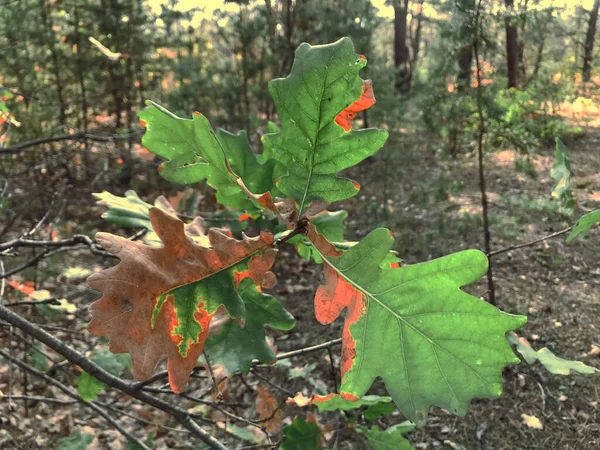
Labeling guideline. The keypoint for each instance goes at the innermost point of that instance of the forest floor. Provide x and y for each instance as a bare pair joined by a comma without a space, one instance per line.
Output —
432,204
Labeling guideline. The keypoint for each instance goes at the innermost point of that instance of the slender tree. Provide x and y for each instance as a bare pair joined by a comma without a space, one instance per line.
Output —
512,47
401,52
589,42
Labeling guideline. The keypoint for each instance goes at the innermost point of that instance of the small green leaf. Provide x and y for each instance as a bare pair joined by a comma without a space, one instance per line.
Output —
549,360
89,387
561,173
301,435
379,409
390,439
235,346
77,441
37,358
584,224
133,446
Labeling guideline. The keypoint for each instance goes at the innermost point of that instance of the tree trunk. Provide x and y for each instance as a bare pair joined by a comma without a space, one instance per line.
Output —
589,42
416,41
401,53
512,48
465,60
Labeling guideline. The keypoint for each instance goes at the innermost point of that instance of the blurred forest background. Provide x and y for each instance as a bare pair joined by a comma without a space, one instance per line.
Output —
73,74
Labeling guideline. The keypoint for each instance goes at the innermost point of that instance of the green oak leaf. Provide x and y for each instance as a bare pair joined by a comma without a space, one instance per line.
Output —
311,146
235,346
430,342
301,435
390,439
584,224
76,441
549,360
257,176
191,148
561,173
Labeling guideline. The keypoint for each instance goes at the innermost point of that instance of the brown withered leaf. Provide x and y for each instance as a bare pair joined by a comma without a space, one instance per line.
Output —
267,408
160,301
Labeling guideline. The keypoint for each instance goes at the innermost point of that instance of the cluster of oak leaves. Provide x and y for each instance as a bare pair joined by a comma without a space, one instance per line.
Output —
412,326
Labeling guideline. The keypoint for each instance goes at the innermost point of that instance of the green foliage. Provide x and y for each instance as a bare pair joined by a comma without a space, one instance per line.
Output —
310,145
235,346
422,307
301,435
584,224
561,172
89,387
549,360
390,439
77,441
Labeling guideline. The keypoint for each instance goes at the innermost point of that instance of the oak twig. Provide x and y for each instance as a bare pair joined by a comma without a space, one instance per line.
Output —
529,244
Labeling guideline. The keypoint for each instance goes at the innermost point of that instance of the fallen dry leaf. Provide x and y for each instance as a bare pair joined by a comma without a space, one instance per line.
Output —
532,422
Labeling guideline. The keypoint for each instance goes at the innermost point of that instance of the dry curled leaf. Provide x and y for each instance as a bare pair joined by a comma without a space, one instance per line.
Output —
532,422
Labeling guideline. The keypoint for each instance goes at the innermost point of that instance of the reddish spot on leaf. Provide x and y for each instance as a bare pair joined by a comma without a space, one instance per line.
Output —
391,234
143,123
334,295
363,57
196,113
322,398
356,184
244,217
366,100
349,397
394,265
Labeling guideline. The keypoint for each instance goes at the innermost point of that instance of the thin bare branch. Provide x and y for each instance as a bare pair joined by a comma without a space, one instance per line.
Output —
529,244
74,396
102,375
